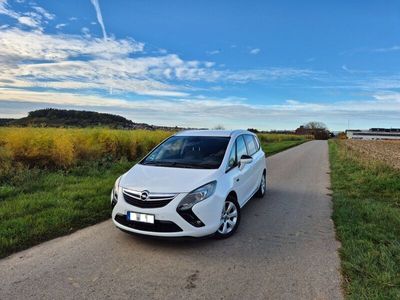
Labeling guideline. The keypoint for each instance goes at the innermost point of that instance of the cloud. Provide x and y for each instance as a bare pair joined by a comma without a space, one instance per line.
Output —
33,19
44,12
99,17
69,62
61,25
86,32
28,21
388,97
202,111
23,45
5,10
213,52
255,51
388,49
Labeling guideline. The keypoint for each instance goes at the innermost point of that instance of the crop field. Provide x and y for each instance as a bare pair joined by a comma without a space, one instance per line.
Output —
366,201
54,181
273,143
384,151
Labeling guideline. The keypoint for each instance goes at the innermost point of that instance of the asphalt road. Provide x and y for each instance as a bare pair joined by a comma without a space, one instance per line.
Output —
285,248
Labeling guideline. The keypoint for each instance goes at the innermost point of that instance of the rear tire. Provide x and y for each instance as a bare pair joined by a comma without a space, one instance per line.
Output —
263,186
230,218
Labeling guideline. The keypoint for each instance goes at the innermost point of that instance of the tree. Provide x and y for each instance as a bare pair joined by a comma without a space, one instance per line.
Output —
315,125
219,127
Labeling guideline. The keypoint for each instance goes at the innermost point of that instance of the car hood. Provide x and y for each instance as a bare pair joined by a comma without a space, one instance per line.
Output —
166,180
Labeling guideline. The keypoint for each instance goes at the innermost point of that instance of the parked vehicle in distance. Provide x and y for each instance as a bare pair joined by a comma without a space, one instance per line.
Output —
192,184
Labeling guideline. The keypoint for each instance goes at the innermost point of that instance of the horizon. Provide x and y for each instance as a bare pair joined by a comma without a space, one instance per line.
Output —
270,66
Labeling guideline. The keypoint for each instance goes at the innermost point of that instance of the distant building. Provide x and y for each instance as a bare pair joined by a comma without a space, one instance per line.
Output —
318,133
374,134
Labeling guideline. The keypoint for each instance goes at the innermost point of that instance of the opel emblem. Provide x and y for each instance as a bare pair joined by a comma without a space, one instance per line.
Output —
144,195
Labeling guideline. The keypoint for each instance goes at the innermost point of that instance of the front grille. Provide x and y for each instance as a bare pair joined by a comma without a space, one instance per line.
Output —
158,226
153,200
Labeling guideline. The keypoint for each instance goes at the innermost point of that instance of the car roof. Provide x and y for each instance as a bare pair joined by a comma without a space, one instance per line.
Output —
222,133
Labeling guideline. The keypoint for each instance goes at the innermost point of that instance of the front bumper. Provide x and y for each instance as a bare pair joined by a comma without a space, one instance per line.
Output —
168,223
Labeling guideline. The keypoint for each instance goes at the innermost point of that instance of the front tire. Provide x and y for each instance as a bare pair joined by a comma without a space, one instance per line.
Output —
230,218
263,186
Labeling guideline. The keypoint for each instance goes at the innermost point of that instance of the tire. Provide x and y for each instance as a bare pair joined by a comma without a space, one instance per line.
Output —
230,218
263,186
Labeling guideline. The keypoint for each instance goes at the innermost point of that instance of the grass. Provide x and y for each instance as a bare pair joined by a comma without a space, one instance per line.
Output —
45,205
275,147
54,181
366,200
274,143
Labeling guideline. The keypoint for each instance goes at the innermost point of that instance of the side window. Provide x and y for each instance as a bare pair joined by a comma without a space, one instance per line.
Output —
251,144
257,142
241,147
232,157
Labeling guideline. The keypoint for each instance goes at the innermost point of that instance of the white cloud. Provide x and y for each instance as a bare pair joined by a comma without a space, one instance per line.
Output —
99,17
61,25
388,97
74,62
33,19
44,12
86,32
255,51
213,52
388,49
28,21
203,111
5,10
20,45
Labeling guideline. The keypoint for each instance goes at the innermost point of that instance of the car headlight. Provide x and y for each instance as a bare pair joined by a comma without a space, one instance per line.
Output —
197,195
115,190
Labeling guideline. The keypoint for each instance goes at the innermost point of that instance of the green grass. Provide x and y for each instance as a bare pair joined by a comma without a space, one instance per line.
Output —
43,205
366,200
275,147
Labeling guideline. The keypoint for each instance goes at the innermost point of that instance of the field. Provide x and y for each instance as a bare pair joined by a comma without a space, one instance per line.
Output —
385,151
366,199
55,181
274,143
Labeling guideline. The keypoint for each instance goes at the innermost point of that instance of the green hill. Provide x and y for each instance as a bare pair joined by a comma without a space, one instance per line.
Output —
51,117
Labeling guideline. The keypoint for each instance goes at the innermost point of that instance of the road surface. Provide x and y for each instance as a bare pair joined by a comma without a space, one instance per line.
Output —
285,248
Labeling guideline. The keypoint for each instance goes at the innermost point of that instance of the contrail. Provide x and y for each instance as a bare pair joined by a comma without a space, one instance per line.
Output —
99,17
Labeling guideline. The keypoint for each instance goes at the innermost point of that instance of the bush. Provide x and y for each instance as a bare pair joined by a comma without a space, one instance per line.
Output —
60,148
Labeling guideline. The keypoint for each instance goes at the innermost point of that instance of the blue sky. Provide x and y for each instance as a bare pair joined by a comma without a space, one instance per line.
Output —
240,64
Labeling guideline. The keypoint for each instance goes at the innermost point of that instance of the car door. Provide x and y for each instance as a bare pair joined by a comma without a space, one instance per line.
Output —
242,177
255,166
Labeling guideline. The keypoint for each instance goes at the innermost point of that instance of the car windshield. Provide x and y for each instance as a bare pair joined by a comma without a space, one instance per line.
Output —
197,152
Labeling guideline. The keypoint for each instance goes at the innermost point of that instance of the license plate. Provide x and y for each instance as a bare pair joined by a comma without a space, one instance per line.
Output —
139,217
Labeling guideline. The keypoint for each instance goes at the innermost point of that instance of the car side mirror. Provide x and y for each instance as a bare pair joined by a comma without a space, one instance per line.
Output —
244,160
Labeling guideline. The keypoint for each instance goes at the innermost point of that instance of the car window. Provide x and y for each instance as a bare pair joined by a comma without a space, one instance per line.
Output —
202,152
232,157
257,142
251,144
240,147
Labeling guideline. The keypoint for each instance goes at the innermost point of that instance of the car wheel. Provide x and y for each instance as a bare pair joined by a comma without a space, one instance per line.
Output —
263,186
230,218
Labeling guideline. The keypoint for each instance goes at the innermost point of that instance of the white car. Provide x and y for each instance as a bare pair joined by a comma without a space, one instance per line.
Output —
192,184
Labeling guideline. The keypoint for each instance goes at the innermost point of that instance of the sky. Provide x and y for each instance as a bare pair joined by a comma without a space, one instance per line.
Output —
271,65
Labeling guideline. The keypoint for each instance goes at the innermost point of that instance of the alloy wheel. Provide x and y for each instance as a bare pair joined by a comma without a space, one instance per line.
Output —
229,218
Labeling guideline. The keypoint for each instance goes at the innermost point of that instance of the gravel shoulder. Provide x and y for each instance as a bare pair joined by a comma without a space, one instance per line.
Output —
285,248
